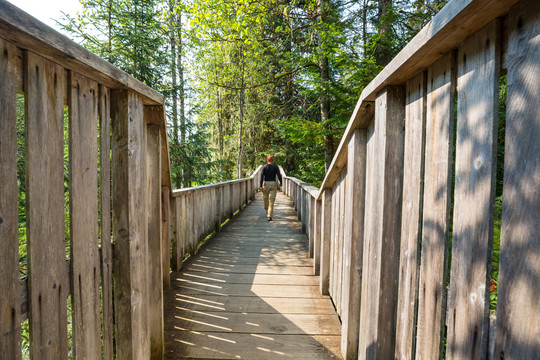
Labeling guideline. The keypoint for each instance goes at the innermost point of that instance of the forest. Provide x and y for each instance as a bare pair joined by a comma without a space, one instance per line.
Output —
247,78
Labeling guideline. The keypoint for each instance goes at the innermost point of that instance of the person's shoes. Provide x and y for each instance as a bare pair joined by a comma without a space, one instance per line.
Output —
269,218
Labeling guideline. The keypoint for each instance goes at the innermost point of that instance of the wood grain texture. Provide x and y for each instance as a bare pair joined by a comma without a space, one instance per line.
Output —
153,217
317,231
436,212
411,217
165,235
29,33
353,244
266,311
382,226
326,221
104,112
10,329
477,88
130,227
83,119
518,328
48,281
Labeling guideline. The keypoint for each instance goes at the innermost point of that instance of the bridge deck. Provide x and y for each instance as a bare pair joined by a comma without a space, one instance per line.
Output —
250,294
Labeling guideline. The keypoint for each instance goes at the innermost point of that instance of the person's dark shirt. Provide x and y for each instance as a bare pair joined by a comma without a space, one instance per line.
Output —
269,173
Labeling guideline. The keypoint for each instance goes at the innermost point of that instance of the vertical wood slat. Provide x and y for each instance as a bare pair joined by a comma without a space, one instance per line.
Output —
382,226
341,234
129,226
105,203
411,217
326,220
477,83
153,216
436,208
83,117
165,236
48,280
353,243
179,237
518,310
312,214
10,328
333,231
317,238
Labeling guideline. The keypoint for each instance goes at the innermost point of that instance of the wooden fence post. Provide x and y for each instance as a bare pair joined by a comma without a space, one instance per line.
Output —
384,166
10,320
353,243
83,118
326,224
517,333
48,281
436,208
476,156
129,226
317,234
411,229
165,236
153,216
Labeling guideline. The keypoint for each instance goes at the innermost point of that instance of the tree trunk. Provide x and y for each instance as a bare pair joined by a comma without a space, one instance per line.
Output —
174,93
383,54
241,119
324,73
181,95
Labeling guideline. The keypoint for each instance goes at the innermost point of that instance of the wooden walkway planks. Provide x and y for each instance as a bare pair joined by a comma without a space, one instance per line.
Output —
250,294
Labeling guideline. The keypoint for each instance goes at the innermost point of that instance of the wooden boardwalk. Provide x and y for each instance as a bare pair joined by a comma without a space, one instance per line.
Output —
250,294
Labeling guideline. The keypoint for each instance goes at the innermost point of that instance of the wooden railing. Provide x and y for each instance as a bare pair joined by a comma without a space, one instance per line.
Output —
201,211
402,228
118,166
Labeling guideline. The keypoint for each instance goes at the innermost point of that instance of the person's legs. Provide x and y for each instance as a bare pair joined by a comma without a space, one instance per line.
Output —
272,193
265,196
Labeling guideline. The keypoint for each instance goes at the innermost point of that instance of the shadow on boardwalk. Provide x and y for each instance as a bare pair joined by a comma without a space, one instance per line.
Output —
250,294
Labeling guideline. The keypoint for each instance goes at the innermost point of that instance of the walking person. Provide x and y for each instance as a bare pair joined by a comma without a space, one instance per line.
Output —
269,186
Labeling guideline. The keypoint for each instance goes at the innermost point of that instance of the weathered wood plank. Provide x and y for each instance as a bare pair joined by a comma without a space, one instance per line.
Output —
48,281
83,119
29,33
153,216
218,278
258,323
165,235
411,217
353,243
436,209
518,329
249,304
10,329
382,226
178,245
477,83
199,345
317,228
104,112
130,227
326,224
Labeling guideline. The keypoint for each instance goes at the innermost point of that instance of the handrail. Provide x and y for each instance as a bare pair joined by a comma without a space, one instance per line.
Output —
178,192
450,27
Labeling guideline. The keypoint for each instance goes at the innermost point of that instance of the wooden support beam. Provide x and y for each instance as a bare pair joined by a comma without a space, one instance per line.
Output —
130,226
10,321
48,283
518,309
476,156
85,266
155,253
384,166
353,245
326,223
